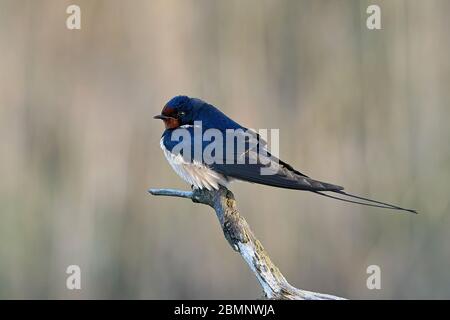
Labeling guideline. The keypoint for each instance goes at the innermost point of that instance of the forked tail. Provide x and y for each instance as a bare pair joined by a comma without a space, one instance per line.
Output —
369,202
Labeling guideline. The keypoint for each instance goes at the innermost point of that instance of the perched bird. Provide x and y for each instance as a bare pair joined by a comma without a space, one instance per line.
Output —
245,163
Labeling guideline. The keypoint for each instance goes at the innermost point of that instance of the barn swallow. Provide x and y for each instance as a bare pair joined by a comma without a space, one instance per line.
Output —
246,164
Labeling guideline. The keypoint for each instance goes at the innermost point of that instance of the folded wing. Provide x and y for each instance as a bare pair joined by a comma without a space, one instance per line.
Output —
255,164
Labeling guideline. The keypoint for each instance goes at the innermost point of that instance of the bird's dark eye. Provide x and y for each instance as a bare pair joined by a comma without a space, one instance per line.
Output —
181,113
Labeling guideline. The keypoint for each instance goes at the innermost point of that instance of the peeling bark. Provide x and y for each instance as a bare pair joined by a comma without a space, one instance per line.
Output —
241,239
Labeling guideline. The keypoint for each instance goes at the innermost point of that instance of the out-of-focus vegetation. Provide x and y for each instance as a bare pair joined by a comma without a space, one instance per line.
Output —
369,110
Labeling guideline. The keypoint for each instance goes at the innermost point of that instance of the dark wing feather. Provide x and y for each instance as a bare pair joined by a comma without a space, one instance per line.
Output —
263,168
283,178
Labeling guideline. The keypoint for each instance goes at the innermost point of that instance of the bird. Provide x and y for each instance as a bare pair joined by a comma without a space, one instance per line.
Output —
245,163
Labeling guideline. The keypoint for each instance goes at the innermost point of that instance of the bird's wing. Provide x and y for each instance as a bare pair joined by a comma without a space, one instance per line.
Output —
252,165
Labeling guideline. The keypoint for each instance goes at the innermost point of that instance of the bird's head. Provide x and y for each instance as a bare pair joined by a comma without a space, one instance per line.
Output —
182,110
179,111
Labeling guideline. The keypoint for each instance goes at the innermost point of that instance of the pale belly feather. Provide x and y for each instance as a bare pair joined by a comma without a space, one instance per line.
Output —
194,173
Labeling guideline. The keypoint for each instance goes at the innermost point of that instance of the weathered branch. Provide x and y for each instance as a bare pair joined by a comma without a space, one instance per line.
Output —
242,240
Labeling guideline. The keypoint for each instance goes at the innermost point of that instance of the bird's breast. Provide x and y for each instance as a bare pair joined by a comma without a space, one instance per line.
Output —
194,172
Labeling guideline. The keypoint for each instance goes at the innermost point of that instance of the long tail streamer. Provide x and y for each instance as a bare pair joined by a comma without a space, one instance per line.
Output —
374,203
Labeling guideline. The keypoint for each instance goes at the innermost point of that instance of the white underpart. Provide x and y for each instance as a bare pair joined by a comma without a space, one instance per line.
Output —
194,173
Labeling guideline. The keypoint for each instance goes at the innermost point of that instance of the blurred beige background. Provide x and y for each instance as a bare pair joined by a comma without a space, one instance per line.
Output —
369,110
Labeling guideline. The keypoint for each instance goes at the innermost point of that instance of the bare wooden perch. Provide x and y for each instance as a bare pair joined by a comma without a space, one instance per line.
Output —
242,240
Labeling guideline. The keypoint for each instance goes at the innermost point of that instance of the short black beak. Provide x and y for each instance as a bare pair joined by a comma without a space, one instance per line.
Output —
160,116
